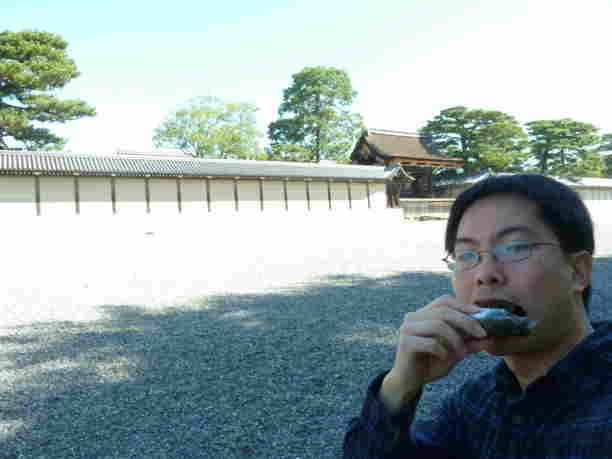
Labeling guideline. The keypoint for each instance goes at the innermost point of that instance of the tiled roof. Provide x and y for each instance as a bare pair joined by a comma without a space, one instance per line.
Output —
404,145
51,163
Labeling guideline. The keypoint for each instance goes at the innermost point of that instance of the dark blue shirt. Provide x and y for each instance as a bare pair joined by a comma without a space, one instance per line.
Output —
566,413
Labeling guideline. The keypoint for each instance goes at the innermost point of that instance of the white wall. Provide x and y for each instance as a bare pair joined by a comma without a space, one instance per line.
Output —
296,195
599,202
95,196
339,192
378,196
164,196
130,199
193,194
248,196
319,197
359,196
222,196
17,196
273,196
58,196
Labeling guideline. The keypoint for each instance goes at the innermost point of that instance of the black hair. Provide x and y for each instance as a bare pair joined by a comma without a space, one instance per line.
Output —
560,208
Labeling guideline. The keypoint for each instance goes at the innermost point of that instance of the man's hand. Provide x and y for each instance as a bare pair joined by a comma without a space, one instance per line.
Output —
431,341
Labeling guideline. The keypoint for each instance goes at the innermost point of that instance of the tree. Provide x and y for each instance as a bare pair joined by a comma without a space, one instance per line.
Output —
32,66
606,148
606,143
315,121
484,139
565,148
209,127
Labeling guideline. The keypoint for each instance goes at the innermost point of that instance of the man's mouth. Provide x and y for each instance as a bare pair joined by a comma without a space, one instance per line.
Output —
512,308
503,318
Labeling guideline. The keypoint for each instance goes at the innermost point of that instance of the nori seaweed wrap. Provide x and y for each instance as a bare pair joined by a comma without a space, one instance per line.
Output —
501,322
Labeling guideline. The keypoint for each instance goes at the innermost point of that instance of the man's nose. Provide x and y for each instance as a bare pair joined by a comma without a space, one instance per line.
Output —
489,270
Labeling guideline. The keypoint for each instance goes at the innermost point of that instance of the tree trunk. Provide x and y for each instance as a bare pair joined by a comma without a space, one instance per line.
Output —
544,162
318,150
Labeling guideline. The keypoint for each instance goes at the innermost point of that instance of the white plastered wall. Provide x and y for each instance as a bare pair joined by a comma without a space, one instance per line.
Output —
339,194
95,197
274,200
359,196
130,198
598,200
319,197
193,196
378,197
57,196
163,196
17,196
222,196
296,196
248,196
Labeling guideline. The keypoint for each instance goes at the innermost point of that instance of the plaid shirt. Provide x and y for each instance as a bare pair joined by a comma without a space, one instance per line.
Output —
565,414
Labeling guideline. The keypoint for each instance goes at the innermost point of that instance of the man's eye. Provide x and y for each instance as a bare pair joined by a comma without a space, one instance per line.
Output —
466,256
517,247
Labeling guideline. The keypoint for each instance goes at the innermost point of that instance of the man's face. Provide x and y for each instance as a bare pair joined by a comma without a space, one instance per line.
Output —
546,284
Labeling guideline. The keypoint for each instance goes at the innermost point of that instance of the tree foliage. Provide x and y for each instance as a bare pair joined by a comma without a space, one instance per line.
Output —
33,65
315,119
209,127
606,143
565,148
605,148
484,139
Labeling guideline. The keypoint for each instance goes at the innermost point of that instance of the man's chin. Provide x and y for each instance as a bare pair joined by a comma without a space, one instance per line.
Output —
504,346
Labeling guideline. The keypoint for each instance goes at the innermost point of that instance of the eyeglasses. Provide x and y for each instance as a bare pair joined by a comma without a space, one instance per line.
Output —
502,253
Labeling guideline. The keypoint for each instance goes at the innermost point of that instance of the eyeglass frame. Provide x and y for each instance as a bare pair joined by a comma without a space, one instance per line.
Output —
531,245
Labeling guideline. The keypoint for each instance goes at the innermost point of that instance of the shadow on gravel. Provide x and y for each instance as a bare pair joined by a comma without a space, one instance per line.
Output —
267,375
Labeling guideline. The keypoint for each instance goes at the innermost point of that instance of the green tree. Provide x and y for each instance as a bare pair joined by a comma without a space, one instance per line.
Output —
606,143
565,148
605,148
484,139
209,127
33,65
315,119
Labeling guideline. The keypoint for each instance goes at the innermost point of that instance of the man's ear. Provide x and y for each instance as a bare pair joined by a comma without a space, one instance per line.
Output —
582,263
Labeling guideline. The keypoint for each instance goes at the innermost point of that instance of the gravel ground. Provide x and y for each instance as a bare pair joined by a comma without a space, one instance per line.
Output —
241,338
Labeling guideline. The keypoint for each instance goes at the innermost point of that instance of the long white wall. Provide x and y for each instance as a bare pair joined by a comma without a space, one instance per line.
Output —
107,196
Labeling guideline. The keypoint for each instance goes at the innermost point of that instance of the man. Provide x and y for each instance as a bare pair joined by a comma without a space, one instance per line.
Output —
523,240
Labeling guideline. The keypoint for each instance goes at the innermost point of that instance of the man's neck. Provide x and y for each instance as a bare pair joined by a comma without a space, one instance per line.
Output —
528,367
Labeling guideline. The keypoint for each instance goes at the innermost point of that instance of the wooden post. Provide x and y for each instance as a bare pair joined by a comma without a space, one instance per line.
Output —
113,193
148,193
77,197
261,193
236,193
285,194
208,193
308,192
179,197
350,196
368,194
37,192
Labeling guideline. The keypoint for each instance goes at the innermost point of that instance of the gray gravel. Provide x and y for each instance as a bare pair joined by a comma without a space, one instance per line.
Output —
271,365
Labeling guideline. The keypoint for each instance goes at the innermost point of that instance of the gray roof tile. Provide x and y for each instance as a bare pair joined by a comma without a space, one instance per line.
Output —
51,163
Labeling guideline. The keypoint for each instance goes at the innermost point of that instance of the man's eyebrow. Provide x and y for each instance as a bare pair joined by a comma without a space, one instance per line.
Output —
500,234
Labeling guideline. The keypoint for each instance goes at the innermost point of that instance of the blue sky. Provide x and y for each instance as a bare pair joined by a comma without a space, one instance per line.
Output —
408,59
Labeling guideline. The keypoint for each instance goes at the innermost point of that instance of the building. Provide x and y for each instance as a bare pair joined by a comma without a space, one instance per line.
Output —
410,157
64,184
